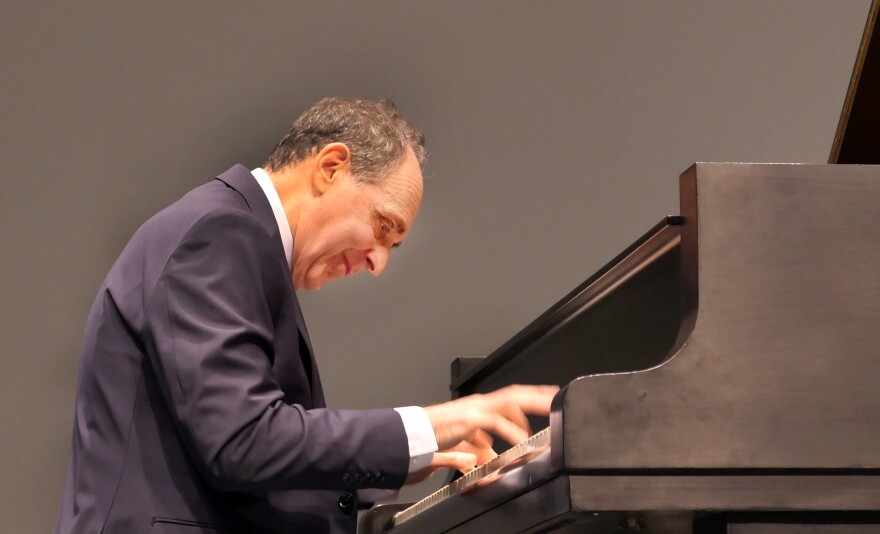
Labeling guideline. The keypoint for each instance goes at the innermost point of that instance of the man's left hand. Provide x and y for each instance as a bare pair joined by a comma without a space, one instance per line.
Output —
464,456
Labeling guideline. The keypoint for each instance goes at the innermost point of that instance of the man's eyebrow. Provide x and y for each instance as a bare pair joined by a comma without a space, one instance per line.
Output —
397,222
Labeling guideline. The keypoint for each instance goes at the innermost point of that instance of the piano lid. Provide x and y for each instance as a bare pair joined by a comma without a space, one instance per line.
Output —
858,132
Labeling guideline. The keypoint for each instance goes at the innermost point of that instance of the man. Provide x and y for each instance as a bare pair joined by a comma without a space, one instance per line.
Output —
199,405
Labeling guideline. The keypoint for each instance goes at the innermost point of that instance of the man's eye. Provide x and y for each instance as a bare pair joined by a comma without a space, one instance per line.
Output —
385,227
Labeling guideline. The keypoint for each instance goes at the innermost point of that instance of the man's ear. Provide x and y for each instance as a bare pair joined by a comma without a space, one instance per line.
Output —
332,162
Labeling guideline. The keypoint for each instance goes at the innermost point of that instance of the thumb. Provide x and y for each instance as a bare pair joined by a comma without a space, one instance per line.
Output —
460,461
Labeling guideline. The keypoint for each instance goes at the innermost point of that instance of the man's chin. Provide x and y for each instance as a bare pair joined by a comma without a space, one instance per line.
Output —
314,286
309,283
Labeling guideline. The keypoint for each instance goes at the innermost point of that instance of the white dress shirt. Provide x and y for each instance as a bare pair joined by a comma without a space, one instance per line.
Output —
419,432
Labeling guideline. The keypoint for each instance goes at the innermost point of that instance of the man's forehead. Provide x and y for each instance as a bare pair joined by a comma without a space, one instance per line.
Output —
408,171
403,188
400,199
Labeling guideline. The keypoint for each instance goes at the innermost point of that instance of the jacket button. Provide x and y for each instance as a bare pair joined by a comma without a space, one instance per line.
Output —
358,479
346,478
346,503
380,477
369,477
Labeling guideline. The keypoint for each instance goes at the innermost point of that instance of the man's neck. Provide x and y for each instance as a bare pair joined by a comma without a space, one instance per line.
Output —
293,190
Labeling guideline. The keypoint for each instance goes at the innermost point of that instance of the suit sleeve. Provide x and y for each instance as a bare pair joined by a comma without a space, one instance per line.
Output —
208,333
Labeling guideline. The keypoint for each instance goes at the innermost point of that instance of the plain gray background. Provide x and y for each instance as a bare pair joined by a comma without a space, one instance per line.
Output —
557,132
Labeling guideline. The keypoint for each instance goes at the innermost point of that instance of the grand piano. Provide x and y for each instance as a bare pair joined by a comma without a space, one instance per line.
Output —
720,375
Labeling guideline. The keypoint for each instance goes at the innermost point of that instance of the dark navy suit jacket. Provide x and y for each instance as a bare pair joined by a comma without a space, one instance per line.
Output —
199,408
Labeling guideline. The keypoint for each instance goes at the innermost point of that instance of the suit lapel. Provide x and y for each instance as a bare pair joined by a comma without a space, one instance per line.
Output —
240,179
309,356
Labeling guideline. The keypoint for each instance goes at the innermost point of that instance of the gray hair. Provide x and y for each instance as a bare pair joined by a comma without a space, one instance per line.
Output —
374,132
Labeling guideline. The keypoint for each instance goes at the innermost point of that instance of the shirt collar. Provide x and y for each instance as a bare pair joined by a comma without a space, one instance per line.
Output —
265,182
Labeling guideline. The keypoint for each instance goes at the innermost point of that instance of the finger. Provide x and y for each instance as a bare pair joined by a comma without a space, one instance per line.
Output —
480,439
538,399
518,417
483,452
504,428
460,461
530,399
485,455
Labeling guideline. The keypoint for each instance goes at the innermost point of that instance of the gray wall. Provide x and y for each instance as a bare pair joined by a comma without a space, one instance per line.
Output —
557,131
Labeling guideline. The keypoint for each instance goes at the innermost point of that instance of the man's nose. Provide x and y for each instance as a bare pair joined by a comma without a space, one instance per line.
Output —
377,259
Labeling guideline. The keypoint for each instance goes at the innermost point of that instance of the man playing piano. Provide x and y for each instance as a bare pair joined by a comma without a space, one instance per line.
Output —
199,404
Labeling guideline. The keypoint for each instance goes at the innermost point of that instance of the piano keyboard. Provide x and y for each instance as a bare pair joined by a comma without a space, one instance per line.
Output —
465,481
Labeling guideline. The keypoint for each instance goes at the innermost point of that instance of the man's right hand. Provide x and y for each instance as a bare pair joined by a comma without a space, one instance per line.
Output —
461,426
502,412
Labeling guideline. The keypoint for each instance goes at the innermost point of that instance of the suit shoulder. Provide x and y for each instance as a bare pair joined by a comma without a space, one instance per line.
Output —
212,210
202,201
213,218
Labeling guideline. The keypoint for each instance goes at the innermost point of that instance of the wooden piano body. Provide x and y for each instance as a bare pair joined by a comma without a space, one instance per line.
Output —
723,371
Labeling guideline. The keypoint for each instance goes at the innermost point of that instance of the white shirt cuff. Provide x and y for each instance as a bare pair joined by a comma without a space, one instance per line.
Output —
419,434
